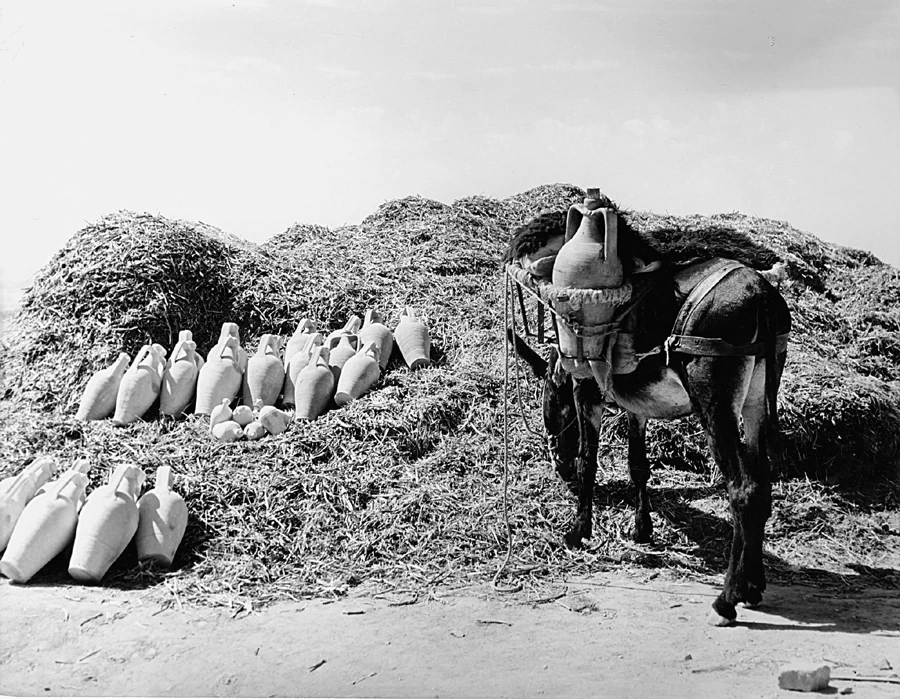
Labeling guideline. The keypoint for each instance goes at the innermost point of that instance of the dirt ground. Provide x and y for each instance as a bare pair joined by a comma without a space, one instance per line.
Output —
622,634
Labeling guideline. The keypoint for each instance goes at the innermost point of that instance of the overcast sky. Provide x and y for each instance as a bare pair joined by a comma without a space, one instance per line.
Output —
255,114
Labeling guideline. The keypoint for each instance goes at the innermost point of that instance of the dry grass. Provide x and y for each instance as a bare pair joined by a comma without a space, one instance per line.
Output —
401,489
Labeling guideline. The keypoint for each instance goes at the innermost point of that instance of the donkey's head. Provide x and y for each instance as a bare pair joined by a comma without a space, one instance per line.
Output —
558,408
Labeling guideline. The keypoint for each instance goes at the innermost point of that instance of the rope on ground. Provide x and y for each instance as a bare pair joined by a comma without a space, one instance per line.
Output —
505,505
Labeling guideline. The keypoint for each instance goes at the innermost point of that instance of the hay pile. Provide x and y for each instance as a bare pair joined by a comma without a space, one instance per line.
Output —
400,489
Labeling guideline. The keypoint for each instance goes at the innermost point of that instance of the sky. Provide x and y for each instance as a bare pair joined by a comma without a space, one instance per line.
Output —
252,115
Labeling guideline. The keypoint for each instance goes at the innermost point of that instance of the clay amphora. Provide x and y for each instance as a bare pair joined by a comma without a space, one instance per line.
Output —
359,374
82,466
232,330
274,420
298,339
108,521
351,327
16,491
227,431
140,385
374,330
179,381
99,397
589,258
341,348
221,376
314,386
264,377
45,528
413,340
162,520
255,430
296,364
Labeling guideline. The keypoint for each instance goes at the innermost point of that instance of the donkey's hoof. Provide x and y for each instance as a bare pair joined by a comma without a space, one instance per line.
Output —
715,619
753,598
573,539
723,613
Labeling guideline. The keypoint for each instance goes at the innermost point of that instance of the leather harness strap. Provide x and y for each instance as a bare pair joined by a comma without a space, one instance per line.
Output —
709,346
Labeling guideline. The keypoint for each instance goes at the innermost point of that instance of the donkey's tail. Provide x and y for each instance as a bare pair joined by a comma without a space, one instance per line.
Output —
769,328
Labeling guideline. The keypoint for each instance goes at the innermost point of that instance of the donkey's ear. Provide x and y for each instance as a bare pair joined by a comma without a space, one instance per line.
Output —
533,359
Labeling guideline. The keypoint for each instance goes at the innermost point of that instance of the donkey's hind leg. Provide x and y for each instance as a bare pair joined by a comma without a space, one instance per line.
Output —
719,387
639,468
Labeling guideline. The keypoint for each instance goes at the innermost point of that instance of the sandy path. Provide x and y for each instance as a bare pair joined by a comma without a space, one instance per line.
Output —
631,639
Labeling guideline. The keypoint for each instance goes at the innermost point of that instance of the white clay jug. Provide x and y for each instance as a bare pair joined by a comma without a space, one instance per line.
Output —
374,330
107,522
413,339
359,374
221,376
351,327
98,400
314,386
298,339
16,491
140,385
179,382
296,364
274,420
162,519
45,528
264,377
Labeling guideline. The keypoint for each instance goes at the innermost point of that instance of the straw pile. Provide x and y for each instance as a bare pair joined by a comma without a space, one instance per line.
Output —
400,490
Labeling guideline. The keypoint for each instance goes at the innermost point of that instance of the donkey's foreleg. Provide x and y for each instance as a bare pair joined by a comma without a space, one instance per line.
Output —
639,468
589,411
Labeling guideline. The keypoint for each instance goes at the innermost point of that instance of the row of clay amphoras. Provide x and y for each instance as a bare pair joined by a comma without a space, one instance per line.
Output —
49,516
127,392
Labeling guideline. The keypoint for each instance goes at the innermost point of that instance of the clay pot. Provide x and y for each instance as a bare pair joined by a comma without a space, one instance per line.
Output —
99,397
162,519
589,258
255,430
243,415
358,375
264,377
16,491
221,413
221,376
374,330
341,348
108,521
298,339
296,364
274,420
314,386
179,381
140,386
351,327
227,431
82,466
413,340
45,528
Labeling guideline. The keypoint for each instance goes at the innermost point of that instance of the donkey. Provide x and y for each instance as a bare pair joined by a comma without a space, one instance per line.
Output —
712,340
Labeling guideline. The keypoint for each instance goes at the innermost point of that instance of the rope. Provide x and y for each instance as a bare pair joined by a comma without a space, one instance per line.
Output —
505,499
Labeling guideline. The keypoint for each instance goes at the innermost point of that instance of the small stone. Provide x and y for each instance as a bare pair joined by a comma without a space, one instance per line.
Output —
804,677
885,665
689,657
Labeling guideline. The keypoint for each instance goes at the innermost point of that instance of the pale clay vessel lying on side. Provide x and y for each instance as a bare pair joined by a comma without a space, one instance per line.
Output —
222,374
359,374
16,491
98,400
264,377
107,522
45,528
140,385
374,330
179,383
314,386
413,339
162,519
298,361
